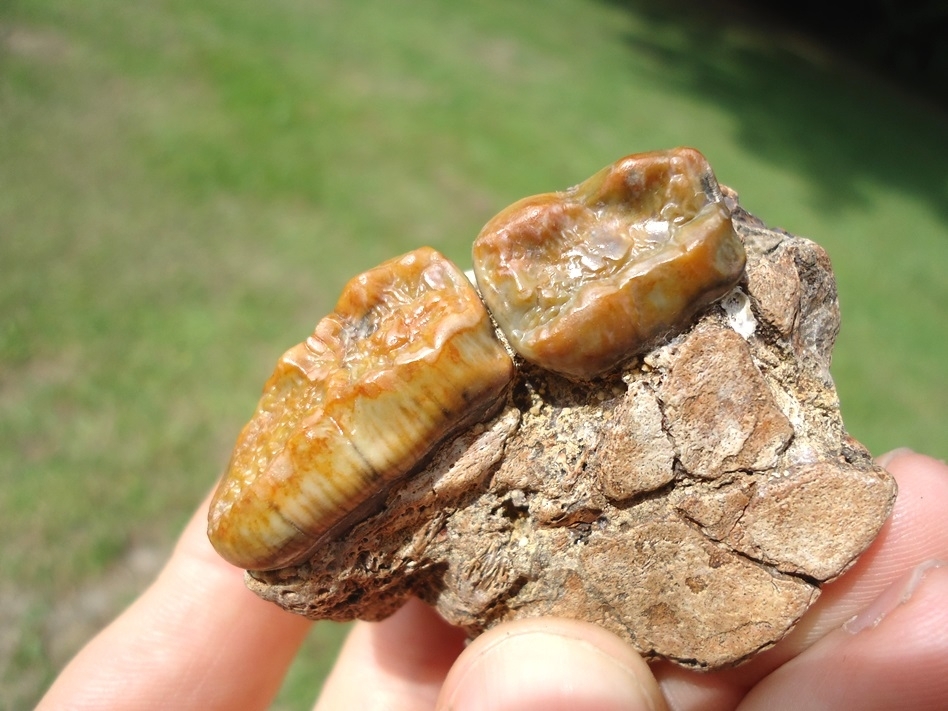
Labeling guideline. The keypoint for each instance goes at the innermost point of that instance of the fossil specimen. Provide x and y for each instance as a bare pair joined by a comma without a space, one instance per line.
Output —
666,459
581,280
408,356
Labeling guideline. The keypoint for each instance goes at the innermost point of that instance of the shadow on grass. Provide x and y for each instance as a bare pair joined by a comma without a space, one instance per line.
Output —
794,104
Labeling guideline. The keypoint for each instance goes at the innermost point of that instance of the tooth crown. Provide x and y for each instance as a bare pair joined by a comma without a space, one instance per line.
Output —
408,356
583,279
578,281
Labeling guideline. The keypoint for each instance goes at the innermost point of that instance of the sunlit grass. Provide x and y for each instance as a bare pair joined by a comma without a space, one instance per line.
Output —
184,189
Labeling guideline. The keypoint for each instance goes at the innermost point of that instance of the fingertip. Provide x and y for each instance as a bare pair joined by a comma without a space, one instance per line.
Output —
904,461
899,593
915,532
550,664
194,545
416,643
397,664
892,656
196,638
883,460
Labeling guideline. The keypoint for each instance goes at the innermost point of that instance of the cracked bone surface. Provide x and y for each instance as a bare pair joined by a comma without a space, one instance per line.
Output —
692,500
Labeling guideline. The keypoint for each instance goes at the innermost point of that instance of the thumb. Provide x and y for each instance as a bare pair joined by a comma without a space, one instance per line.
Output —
550,664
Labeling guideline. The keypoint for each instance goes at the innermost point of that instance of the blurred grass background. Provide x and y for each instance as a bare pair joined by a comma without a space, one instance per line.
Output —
185,187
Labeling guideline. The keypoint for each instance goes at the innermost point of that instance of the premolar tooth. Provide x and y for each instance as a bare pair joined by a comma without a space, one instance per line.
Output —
583,279
408,356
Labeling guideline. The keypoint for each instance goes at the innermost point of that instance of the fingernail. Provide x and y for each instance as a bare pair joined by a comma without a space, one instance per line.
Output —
884,459
894,596
549,671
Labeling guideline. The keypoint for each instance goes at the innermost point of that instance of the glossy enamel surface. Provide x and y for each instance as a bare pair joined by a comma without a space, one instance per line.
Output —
408,356
583,279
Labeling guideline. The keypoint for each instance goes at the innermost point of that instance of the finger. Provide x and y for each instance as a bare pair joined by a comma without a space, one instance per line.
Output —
195,639
893,655
550,664
915,532
398,664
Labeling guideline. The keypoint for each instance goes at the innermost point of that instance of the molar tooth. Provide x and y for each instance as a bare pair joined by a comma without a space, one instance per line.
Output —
581,280
408,356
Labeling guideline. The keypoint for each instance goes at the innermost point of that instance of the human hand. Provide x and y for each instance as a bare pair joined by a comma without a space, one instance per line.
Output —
198,639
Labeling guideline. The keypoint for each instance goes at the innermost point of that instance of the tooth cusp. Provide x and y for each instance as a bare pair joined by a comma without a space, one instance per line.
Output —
408,356
581,280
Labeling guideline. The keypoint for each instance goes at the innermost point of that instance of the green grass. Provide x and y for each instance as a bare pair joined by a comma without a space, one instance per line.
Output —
185,187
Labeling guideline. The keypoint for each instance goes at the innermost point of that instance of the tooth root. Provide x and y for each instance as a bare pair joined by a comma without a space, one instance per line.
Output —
408,356
581,280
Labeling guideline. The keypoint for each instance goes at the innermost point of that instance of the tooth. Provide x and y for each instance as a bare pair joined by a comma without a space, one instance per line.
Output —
408,356
581,280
